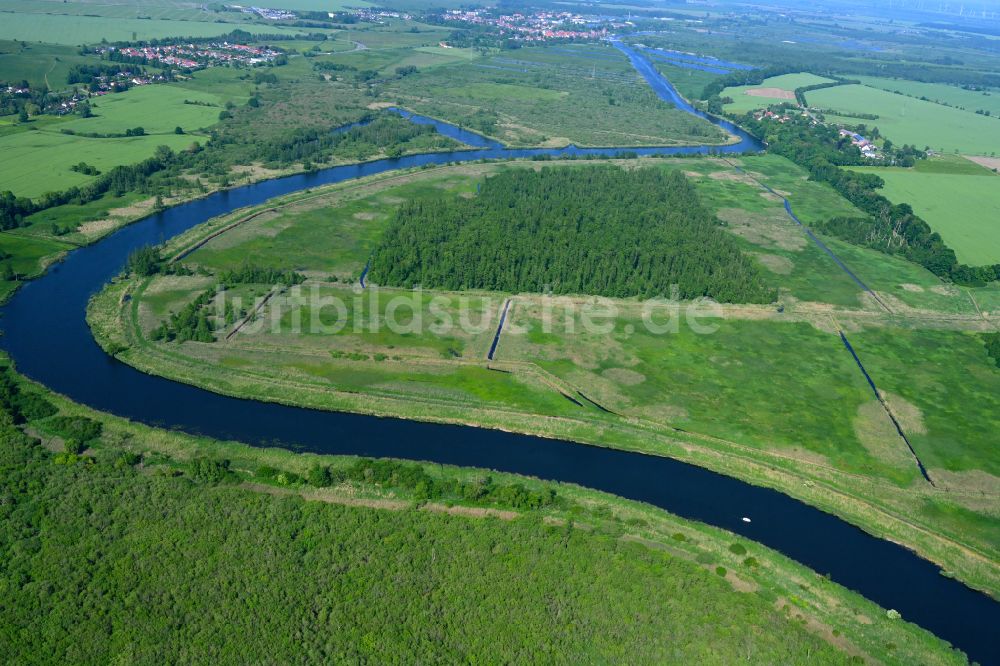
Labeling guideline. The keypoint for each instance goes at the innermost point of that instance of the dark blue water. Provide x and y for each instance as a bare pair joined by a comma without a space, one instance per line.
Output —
46,335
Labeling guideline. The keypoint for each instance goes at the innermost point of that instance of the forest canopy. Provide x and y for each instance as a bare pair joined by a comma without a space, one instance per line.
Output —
596,230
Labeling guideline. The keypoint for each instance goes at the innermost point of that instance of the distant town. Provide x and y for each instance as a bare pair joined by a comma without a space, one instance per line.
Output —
537,26
193,56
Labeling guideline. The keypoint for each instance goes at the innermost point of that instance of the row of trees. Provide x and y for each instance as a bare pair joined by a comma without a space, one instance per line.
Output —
253,274
394,474
589,230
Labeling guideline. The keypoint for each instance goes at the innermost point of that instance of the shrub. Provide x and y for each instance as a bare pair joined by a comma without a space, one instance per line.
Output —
78,428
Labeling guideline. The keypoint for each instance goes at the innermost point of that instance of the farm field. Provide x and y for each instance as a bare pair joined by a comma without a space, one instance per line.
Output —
773,90
75,30
158,109
39,64
968,100
119,9
912,121
39,149
963,207
587,96
39,161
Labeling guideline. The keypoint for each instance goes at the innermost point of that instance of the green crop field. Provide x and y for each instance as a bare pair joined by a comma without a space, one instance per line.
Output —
743,102
969,100
41,155
963,208
75,30
907,120
39,161
38,64
158,109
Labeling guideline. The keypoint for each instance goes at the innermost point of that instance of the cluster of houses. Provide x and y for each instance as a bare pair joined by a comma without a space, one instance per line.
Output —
103,85
539,26
375,15
771,115
265,12
867,148
196,56
64,103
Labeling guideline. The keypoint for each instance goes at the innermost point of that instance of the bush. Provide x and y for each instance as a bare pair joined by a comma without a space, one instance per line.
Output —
74,446
144,261
79,428
320,476
209,470
737,549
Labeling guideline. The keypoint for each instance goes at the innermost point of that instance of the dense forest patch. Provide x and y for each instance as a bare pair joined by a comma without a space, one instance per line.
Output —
105,563
590,230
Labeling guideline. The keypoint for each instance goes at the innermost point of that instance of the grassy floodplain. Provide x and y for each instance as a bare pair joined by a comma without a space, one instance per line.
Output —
585,95
960,203
774,90
909,120
708,386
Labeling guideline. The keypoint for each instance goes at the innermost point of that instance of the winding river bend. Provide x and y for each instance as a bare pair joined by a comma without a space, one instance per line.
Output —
46,334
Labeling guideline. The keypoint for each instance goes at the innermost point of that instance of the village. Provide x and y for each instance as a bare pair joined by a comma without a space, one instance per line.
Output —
539,26
193,56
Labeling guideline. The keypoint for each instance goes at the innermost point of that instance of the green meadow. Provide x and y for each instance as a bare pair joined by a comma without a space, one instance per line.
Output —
39,64
76,30
317,237
944,389
969,100
689,82
963,207
40,155
26,256
158,109
743,102
36,162
908,120
551,97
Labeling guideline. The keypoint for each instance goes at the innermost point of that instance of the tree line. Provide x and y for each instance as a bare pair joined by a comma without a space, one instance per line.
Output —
890,228
590,230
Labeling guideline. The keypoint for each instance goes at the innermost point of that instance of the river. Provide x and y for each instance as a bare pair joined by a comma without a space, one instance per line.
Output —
46,334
